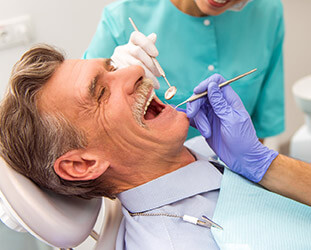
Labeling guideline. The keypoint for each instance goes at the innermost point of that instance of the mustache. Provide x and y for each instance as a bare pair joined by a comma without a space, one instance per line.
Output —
141,94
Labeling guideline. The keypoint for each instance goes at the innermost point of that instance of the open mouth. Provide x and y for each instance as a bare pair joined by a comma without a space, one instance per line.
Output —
218,3
152,108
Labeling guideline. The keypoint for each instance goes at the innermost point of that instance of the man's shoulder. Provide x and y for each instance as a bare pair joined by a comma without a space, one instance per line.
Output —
198,146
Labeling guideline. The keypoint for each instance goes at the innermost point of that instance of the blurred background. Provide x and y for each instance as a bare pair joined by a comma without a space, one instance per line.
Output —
71,24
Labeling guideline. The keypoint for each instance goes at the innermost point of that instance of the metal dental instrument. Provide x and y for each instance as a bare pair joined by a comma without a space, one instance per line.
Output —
171,91
195,97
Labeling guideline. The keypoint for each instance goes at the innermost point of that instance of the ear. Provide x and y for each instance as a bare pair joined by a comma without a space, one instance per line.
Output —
80,165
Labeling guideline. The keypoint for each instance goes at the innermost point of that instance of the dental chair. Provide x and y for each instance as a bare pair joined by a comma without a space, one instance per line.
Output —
56,220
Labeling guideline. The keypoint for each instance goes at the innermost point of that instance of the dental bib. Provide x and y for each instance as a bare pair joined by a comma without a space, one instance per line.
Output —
254,218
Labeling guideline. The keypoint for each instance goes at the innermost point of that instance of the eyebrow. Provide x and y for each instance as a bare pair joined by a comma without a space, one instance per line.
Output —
94,82
92,86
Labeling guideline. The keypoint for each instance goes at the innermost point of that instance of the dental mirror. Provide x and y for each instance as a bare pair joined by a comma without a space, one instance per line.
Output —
170,92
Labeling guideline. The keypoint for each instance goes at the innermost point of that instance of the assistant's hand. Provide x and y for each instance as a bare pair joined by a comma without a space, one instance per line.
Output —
138,51
222,119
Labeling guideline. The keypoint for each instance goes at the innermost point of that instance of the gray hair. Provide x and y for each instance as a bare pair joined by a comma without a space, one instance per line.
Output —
31,142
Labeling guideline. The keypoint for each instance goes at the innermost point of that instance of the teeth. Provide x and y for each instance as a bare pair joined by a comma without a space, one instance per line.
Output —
220,1
149,101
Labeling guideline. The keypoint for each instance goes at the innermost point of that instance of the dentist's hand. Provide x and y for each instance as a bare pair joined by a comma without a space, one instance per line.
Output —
222,119
138,51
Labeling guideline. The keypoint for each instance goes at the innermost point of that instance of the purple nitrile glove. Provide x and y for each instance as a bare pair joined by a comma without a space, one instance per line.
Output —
226,125
181,110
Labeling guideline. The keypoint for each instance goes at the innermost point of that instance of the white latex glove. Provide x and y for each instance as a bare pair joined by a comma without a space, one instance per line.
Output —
138,51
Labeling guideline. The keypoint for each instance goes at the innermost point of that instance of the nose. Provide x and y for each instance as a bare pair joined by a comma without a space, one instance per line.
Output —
126,78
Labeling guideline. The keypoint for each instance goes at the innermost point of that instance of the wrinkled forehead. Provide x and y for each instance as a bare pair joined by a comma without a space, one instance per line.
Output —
69,83
62,89
68,91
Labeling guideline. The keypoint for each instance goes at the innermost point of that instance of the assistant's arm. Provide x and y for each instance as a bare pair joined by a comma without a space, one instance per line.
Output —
222,119
104,40
268,115
290,178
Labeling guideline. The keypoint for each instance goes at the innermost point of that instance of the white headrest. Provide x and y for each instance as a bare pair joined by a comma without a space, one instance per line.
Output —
57,220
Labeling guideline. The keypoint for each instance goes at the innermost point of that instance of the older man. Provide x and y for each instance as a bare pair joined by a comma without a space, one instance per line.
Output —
81,127
81,119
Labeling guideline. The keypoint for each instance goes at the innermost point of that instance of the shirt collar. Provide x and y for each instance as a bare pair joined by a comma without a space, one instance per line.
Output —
195,178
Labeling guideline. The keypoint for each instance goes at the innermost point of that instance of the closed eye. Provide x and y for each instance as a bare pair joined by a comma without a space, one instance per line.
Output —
102,92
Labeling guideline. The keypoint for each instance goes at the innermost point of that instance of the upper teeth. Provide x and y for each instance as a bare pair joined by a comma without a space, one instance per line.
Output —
149,101
220,1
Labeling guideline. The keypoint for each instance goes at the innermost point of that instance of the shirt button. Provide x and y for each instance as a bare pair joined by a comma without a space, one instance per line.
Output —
207,22
211,67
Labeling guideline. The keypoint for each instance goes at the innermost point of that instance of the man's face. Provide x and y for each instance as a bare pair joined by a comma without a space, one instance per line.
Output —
108,105
215,7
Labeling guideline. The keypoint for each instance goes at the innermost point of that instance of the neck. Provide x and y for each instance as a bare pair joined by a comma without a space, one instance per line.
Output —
188,7
150,169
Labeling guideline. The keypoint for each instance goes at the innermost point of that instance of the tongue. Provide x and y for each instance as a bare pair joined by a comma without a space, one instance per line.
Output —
151,113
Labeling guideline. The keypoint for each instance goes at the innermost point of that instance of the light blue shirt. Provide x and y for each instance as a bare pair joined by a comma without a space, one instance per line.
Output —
192,190
193,48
